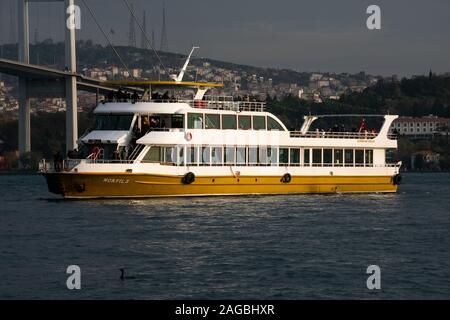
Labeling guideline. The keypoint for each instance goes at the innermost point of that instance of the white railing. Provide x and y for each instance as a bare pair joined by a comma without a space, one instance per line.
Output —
334,135
212,102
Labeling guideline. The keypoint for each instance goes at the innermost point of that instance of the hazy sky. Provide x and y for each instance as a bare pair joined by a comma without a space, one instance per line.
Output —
305,35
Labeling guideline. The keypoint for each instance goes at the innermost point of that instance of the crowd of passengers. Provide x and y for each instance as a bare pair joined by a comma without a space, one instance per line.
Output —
336,128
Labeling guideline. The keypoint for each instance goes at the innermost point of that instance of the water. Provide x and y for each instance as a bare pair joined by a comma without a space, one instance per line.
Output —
255,247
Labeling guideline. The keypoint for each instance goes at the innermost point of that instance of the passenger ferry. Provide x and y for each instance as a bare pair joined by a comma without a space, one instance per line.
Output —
163,144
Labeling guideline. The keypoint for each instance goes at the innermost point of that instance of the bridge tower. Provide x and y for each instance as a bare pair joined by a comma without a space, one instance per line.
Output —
25,86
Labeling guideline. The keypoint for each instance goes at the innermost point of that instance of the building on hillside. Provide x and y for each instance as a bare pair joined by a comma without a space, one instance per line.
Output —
420,127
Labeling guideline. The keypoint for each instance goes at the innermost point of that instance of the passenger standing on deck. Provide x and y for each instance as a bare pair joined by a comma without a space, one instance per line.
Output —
362,126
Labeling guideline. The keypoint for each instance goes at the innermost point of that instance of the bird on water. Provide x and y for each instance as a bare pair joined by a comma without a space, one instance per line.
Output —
122,275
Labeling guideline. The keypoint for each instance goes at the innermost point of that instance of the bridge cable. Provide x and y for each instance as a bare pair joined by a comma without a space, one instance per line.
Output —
107,39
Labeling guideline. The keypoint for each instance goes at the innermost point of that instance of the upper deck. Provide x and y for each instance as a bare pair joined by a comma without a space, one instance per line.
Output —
208,102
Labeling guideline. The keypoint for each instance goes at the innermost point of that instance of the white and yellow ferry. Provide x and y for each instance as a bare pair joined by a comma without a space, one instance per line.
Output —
163,145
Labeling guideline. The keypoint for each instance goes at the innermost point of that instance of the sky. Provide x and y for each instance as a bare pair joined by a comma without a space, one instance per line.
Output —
304,35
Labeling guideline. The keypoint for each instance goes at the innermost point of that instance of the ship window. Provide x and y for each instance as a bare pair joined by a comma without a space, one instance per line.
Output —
241,155
229,121
206,156
369,157
216,156
113,122
391,155
153,155
327,157
170,155
284,156
252,155
306,157
262,155
338,161
177,121
272,124
212,121
359,157
229,155
259,123
191,155
317,157
272,156
244,122
295,157
348,157
195,121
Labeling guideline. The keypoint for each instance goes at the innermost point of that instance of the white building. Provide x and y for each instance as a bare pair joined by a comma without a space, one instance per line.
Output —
421,126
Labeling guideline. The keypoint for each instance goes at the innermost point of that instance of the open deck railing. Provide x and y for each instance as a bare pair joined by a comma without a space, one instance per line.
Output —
338,135
211,102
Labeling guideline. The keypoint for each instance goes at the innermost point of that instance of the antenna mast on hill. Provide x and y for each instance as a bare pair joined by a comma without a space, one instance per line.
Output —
164,42
131,32
144,31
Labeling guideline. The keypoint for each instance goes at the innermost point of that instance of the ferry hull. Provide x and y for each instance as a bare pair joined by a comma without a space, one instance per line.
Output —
133,185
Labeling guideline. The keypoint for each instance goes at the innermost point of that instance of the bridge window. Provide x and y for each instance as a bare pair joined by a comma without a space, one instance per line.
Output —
212,121
284,156
228,121
273,124
244,122
113,122
259,123
177,121
195,121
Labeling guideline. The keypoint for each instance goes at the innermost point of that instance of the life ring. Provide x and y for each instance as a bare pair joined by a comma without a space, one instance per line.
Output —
188,136
188,178
80,188
397,179
286,178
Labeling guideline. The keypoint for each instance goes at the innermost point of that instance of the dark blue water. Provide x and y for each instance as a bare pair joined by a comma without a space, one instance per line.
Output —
296,247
